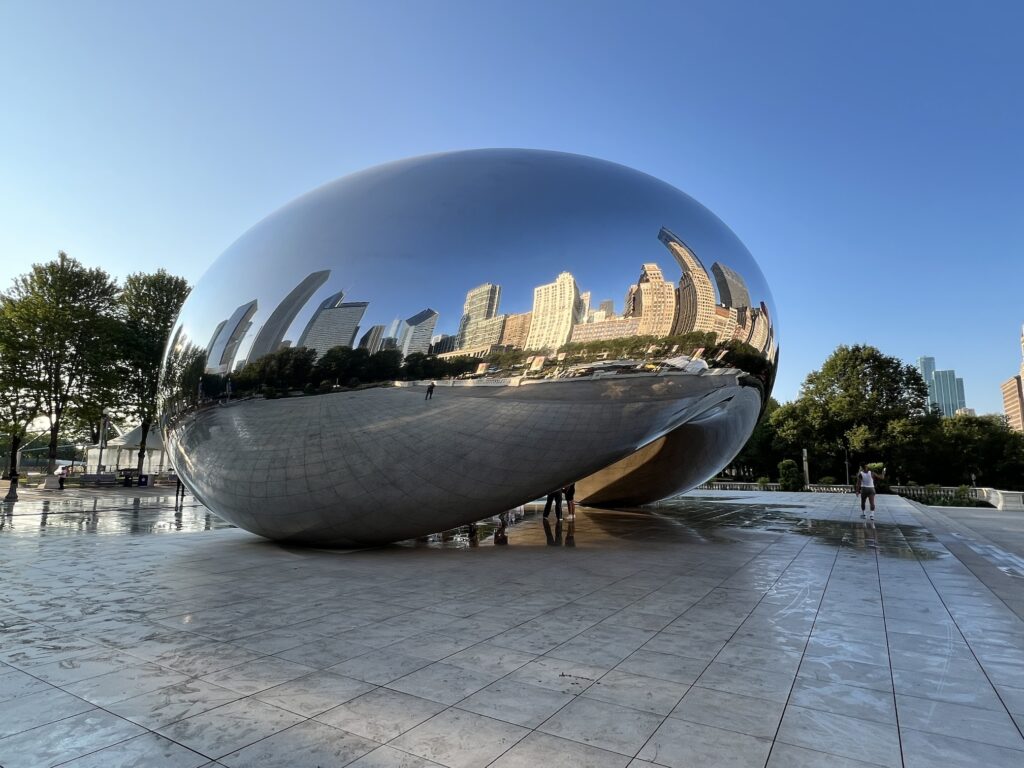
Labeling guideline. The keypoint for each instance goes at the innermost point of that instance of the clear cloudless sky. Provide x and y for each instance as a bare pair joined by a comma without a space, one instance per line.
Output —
869,154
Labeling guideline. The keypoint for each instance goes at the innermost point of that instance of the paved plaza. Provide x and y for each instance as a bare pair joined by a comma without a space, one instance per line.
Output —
719,629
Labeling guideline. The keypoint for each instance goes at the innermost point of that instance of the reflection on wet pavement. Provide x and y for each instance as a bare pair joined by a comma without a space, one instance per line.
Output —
771,630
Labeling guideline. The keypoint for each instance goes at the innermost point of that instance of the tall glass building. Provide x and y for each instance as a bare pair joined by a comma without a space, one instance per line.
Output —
945,388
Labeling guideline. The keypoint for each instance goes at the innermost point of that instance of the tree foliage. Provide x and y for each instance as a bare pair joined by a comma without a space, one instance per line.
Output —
864,406
66,318
150,304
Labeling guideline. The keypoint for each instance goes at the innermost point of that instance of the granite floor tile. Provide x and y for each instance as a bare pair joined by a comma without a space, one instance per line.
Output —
605,726
381,715
65,739
730,711
974,691
379,667
746,681
15,683
647,693
665,666
228,728
841,735
255,676
458,739
853,673
681,744
863,703
984,725
788,756
490,659
313,694
514,702
149,749
927,750
40,708
558,674
324,652
172,703
307,745
442,682
539,749
389,757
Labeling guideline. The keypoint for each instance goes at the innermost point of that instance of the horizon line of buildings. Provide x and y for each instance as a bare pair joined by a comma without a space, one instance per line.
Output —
560,314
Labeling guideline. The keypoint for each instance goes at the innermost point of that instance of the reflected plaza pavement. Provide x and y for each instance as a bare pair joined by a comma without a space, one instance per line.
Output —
714,629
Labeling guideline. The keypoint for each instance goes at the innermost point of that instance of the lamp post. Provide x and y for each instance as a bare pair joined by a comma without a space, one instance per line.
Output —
103,440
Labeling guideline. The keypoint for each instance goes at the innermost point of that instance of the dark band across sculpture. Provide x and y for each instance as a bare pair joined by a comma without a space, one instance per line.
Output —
579,320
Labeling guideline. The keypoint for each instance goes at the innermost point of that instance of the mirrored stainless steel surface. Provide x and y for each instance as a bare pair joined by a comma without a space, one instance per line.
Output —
580,321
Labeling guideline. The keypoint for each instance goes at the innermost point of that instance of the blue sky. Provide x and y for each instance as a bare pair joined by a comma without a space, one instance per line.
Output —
869,154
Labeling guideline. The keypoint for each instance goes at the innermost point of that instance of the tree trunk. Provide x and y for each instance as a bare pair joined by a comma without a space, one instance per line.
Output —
15,445
12,490
54,435
142,443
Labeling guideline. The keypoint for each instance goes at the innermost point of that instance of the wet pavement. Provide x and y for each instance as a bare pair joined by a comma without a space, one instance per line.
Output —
716,629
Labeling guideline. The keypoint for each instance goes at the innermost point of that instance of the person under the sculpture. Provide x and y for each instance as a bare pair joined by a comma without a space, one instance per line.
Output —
570,500
555,497
865,486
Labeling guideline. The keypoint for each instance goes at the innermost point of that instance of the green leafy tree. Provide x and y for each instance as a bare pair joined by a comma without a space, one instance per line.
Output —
65,316
20,401
150,303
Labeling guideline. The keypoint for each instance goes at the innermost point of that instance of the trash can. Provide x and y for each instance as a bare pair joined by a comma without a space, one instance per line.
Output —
143,480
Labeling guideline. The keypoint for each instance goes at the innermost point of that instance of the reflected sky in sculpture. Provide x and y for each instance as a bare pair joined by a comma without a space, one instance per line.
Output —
558,259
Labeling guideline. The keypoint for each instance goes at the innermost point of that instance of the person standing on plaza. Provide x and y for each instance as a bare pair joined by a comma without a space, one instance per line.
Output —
555,497
865,486
570,500
430,391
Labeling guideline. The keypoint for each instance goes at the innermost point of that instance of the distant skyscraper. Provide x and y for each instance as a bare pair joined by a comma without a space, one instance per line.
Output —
442,344
653,301
372,339
926,367
1013,395
556,309
416,331
608,307
945,388
696,294
224,346
616,328
276,326
334,324
732,290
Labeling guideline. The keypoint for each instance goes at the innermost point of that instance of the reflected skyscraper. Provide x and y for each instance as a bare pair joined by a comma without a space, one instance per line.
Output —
371,340
334,324
416,331
696,294
731,289
276,326
229,335
516,330
480,325
556,309
653,301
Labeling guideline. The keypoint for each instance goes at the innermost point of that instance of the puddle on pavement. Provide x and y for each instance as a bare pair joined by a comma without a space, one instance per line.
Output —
107,516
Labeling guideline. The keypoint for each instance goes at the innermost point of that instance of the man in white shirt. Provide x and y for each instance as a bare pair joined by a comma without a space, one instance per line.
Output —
865,486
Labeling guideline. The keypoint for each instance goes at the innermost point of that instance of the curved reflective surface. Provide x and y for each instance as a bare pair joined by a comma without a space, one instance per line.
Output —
580,321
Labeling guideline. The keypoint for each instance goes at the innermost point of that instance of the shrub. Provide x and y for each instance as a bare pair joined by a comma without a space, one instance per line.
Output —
827,480
763,482
789,476
325,387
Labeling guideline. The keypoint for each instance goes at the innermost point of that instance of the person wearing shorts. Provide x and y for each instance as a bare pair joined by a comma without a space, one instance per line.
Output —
865,486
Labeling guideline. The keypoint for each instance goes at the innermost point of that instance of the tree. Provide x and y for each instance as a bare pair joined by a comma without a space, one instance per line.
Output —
860,403
150,305
64,316
789,476
20,401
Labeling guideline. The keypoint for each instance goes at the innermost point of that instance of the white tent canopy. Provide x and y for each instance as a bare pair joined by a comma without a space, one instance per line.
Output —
122,452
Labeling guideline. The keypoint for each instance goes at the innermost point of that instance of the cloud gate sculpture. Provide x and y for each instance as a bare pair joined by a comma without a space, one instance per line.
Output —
579,321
